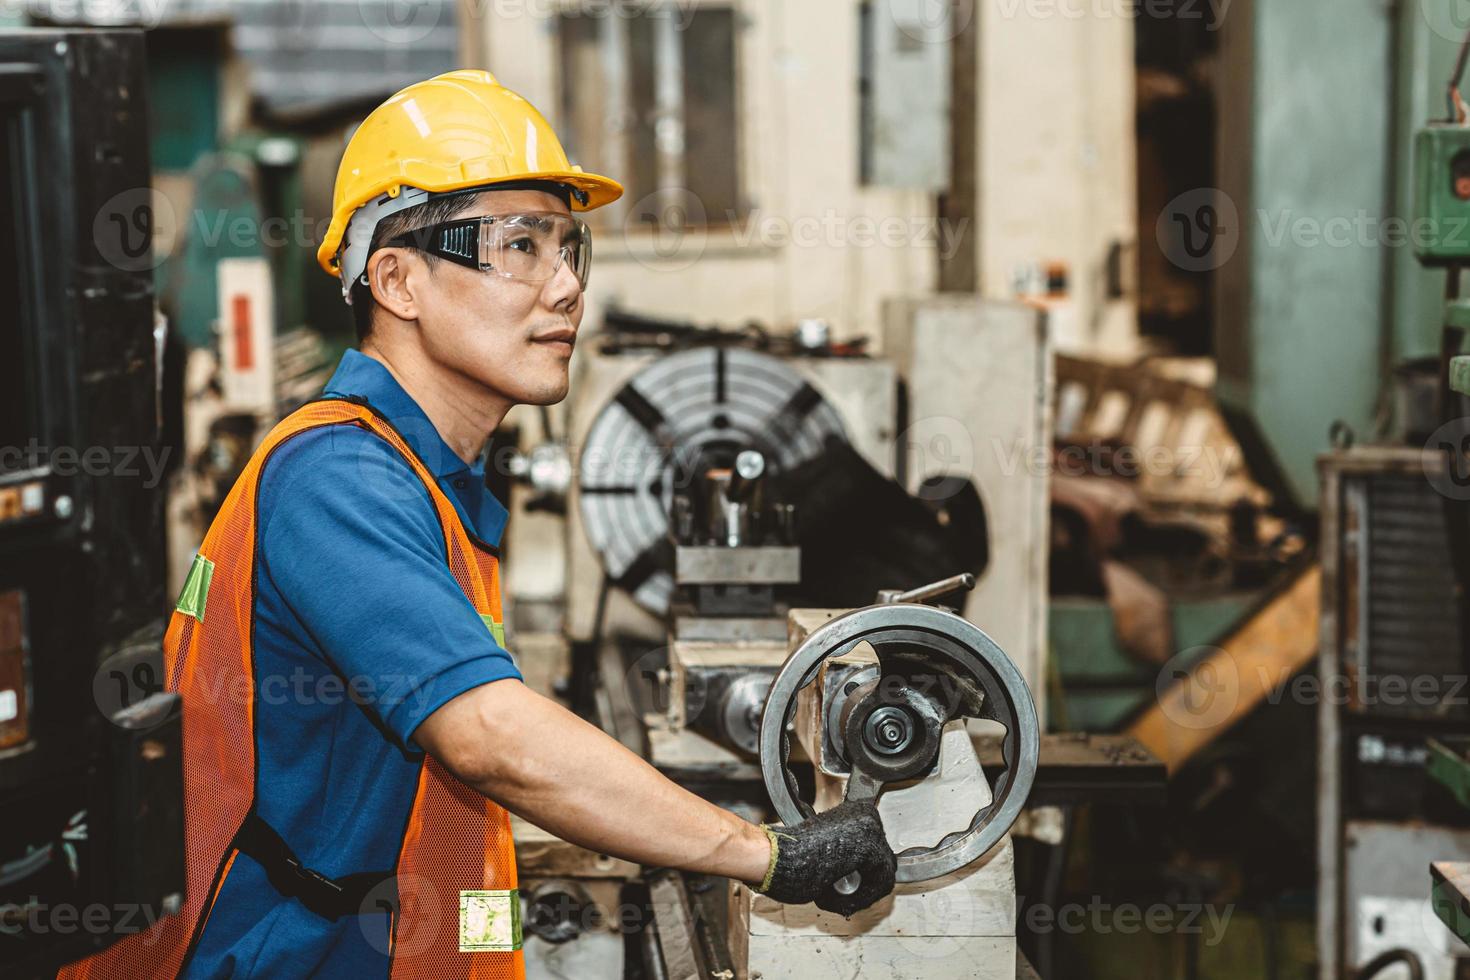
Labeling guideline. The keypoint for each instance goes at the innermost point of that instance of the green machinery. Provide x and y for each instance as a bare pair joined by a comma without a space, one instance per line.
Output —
1442,222
1442,232
1449,763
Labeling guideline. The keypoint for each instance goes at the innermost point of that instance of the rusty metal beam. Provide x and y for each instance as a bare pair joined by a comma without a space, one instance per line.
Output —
1210,696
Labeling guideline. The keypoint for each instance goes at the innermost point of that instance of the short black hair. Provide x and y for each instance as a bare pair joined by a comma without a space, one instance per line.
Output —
432,212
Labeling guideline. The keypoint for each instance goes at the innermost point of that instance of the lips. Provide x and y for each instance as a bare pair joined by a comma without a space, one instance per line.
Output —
562,335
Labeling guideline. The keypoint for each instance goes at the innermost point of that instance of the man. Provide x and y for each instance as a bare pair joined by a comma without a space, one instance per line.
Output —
347,810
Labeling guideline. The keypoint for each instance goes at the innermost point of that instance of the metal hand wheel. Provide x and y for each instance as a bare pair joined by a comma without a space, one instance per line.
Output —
933,667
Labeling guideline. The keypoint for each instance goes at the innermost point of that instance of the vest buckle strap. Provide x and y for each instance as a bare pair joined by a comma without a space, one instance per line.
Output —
314,879
362,893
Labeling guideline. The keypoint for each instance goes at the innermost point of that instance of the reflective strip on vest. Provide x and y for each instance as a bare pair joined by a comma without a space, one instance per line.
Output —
195,594
458,908
497,629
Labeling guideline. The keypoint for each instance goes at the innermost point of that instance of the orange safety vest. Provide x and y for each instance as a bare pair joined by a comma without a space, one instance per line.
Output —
457,910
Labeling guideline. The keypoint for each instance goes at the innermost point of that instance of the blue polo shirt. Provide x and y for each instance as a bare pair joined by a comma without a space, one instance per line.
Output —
361,632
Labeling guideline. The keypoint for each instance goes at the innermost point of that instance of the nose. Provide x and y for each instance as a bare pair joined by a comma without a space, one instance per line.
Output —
563,290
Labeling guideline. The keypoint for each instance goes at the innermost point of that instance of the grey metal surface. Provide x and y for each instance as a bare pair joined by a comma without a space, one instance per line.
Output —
1299,324
935,590
667,422
947,641
732,629
1362,874
715,565
906,103
1334,550
1386,886
740,710
1409,623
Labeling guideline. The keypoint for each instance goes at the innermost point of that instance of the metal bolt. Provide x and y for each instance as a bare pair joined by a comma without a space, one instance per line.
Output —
750,464
889,730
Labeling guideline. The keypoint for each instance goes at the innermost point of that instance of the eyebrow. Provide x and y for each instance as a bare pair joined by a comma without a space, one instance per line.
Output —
537,222
545,223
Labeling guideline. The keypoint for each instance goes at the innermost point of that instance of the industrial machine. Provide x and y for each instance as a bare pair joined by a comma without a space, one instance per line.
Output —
874,455
879,700
754,524
90,767
1396,563
1395,532
1391,653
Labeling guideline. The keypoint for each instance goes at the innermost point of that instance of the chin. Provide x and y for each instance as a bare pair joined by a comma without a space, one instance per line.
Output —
544,394
527,383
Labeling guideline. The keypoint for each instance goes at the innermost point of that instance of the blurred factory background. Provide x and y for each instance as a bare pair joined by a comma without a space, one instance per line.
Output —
1127,296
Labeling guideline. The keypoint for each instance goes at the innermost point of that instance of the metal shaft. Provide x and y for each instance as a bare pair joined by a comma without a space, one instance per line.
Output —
955,583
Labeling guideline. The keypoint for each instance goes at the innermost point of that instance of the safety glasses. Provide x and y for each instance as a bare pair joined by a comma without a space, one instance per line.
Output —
530,246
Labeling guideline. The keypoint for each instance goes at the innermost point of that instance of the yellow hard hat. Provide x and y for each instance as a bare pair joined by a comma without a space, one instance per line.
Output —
456,131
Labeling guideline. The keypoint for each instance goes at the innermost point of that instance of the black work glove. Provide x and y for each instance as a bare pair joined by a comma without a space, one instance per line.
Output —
808,858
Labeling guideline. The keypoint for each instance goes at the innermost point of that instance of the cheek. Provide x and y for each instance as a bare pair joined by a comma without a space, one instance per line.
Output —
488,318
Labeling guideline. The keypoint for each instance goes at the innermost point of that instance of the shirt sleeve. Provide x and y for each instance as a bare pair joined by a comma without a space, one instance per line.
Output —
349,536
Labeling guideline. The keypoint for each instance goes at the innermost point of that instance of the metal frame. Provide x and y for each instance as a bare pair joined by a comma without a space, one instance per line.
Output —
1343,552
941,633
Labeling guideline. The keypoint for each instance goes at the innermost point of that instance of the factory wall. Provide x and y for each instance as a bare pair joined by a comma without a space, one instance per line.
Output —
1056,170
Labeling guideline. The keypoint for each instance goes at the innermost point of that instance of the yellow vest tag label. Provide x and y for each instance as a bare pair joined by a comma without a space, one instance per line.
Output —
490,921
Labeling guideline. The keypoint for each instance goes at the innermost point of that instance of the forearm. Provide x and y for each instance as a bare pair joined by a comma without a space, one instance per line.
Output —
545,764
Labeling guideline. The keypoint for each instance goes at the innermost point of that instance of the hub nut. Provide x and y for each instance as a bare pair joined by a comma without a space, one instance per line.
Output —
889,730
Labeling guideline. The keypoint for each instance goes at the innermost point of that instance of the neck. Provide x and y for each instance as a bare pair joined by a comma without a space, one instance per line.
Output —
464,412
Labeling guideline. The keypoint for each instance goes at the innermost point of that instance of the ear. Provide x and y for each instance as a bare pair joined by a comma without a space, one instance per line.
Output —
393,278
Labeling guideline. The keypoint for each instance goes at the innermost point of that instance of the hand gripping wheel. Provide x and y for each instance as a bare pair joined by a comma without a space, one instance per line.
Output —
933,667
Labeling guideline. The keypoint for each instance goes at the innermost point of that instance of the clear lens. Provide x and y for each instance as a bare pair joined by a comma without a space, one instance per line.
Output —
533,245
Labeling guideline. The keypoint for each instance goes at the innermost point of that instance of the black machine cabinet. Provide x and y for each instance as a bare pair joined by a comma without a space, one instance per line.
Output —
91,832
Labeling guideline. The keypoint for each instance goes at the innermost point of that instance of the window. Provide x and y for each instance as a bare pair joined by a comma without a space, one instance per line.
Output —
649,97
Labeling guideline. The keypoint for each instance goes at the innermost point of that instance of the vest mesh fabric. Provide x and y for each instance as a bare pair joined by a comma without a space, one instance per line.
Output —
456,839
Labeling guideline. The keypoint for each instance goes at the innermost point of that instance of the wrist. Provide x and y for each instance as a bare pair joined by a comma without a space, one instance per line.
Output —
754,855
775,851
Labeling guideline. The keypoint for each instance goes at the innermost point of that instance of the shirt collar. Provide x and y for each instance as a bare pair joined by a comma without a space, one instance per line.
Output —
366,377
